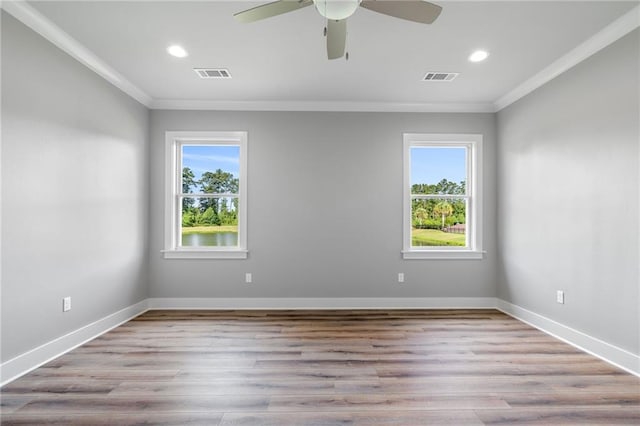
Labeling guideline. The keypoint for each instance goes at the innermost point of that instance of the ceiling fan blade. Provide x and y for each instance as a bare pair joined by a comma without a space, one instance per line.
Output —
270,9
336,38
411,10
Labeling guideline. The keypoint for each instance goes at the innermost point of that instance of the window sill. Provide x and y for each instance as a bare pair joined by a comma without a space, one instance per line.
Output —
443,254
205,254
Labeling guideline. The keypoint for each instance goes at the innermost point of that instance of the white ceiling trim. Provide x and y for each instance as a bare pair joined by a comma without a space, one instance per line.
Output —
43,26
319,106
609,34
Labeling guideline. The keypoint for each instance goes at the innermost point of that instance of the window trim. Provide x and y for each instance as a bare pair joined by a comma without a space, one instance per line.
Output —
173,141
473,142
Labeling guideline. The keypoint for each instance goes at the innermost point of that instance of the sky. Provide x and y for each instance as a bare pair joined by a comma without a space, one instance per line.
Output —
209,158
430,165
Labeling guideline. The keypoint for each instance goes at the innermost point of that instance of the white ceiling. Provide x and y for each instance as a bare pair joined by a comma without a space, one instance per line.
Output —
283,59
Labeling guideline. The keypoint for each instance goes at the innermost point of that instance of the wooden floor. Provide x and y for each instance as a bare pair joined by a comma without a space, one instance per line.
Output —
459,367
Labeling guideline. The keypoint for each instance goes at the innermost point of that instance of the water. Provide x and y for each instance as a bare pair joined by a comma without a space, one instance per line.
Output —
218,239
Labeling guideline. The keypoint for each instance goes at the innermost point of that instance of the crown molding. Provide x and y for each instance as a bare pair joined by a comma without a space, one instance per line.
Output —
608,35
22,11
29,16
338,106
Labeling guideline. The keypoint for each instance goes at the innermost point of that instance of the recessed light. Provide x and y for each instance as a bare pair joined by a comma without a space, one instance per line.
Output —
177,51
478,56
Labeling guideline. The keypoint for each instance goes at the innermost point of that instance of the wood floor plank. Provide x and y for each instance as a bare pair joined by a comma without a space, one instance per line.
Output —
443,385
129,419
387,402
152,404
277,374
91,373
620,398
497,368
56,386
577,416
150,360
444,417
323,367
575,383
10,403
226,387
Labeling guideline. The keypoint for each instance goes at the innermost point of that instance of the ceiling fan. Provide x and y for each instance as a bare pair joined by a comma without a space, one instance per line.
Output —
337,12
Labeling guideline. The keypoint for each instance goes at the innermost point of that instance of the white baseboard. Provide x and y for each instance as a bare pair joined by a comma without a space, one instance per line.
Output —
324,303
607,352
24,363
28,361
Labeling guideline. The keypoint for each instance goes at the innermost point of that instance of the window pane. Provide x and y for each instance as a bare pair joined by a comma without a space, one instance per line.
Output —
436,170
209,222
438,222
210,169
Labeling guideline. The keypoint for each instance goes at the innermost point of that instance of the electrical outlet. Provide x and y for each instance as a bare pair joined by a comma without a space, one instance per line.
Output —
247,277
66,304
400,277
560,296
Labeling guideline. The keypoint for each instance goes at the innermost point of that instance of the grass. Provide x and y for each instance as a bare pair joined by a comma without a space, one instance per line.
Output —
209,229
419,237
435,237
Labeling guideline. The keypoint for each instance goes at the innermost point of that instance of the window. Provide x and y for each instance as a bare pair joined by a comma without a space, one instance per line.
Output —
206,195
442,196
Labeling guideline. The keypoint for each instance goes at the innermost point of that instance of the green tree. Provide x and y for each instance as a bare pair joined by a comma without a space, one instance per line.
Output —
225,215
448,187
209,217
443,209
459,211
420,215
218,182
189,217
188,182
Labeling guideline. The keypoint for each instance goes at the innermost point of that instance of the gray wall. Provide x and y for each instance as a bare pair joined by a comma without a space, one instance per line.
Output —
74,193
83,183
325,209
568,197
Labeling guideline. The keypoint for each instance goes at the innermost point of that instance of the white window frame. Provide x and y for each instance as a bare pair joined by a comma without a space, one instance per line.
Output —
173,191
473,144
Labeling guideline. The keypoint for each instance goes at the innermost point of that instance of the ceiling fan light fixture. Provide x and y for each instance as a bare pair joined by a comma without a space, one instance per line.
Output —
336,9
336,13
478,56
177,51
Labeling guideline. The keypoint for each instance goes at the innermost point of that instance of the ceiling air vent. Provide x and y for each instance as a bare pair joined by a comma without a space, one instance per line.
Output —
440,76
212,72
